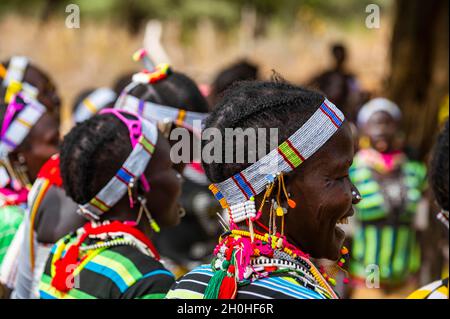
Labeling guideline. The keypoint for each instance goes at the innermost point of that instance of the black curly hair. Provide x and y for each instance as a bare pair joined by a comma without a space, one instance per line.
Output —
177,90
439,174
258,104
91,154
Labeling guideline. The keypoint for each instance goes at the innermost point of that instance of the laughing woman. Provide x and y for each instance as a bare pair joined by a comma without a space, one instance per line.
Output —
284,208
108,164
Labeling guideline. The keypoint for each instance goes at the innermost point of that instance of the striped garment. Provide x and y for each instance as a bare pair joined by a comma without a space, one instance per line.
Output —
121,272
384,236
435,290
10,219
193,285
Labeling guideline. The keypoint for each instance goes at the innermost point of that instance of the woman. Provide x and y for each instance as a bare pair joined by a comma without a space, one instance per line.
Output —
107,163
439,176
392,186
29,113
283,209
174,100
51,214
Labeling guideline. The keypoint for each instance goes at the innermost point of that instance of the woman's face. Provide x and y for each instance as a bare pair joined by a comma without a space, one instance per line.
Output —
41,143
381,128
165,186
323,192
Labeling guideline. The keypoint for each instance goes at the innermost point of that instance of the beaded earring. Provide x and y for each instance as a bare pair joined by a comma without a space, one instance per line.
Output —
144,209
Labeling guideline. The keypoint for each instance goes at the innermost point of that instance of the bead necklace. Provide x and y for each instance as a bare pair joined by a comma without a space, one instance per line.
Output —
267,255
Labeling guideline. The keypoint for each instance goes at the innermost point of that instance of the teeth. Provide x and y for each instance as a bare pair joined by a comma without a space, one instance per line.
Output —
343,220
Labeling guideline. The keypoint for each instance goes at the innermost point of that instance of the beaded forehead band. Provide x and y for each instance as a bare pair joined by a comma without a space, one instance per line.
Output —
13,79
143,135
237,192
157,112
21,115
14,130
93,103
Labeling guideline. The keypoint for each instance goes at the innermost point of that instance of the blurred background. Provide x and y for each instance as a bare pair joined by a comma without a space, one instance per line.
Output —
405,58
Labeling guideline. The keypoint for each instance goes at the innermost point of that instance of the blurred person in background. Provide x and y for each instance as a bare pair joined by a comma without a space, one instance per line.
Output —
240,71
29,113
392,187
339,85
439,176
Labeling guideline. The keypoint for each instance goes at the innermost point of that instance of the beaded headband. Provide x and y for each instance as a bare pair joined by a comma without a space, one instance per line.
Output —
21,115
157,112
93,103
13,79
237,192
131,170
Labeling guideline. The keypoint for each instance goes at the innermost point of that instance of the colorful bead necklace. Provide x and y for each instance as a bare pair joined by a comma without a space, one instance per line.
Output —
109,234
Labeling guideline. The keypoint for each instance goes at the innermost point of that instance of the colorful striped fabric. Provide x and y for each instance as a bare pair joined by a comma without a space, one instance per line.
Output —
383,237
395,250
122,272
435,290
193,285
10,219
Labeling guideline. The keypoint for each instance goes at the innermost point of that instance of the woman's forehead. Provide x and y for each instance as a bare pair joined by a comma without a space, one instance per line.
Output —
339,149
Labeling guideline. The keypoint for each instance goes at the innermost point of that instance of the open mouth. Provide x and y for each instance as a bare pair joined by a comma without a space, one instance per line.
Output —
342,221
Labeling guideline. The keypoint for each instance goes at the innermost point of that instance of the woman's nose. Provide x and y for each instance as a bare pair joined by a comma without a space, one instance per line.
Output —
356,196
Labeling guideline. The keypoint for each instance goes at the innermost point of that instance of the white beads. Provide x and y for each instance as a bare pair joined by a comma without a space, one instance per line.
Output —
243,211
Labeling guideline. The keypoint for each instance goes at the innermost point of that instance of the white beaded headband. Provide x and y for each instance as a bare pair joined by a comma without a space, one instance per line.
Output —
13,81
20,126
238,191
157,112
128,174
93,103
15,128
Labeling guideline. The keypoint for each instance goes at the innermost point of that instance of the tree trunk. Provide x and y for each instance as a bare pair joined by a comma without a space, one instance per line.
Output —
419,67
418,83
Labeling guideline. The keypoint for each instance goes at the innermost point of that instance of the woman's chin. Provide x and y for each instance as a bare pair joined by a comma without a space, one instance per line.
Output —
336,244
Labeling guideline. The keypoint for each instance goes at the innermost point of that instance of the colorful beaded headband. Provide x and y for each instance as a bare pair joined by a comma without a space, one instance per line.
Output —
14,130
152,73
145,134
237,192
13,79
21,115
157,112
93,103
161,72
